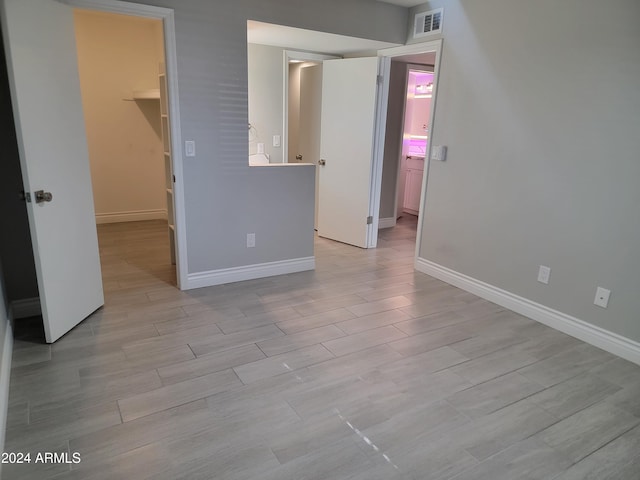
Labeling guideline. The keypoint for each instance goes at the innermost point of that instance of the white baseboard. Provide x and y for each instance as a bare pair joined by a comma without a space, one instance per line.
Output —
25,308
386,222
599,337
249,272
5,377
134,216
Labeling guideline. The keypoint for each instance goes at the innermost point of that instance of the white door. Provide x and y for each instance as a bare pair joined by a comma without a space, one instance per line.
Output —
39,41
349,90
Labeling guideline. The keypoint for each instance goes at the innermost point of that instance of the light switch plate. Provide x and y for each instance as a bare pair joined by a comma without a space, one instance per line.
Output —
190,148
439,152
276,140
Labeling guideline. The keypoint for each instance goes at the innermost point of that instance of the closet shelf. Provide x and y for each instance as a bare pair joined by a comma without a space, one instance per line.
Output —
151,94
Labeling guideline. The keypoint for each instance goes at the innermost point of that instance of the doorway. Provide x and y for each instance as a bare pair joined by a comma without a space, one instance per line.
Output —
63,234
121,62
407,119
415,138
303,110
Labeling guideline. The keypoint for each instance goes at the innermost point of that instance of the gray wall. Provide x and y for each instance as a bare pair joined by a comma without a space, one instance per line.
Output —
225,199
393,138
265,84
539,104
14,218
4,323
15,239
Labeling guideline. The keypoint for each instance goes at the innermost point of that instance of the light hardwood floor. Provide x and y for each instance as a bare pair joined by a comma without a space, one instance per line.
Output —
363,370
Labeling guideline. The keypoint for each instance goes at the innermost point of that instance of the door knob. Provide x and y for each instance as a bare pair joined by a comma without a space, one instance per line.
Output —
322,162
42,196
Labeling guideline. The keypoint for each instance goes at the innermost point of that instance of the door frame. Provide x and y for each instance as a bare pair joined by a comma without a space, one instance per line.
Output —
171,64
434,46
305,57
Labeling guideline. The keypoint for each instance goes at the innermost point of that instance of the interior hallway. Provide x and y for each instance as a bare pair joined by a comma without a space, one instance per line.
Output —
363,369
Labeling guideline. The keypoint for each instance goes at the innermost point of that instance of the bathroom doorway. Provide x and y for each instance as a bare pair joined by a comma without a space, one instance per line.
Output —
415,138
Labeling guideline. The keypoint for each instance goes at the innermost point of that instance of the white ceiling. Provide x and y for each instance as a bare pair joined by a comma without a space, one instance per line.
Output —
309,40
404,3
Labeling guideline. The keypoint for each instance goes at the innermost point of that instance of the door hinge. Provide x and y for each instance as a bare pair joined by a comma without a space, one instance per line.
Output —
369,220
379,79
174,178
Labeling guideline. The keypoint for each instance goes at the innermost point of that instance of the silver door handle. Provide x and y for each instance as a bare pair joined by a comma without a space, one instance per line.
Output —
42,196
322,162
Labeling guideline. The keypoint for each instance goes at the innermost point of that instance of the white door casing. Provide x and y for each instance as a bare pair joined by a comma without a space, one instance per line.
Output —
349,90
41,53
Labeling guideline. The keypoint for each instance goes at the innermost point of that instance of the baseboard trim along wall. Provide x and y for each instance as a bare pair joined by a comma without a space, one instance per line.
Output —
134,216
599,337
25,308
249,272
5,378
386,222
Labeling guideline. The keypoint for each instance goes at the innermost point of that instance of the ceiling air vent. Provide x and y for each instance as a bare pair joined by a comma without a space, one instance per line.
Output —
428,23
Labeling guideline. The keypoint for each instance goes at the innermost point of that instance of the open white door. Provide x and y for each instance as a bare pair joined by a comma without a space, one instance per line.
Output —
41,53
349,90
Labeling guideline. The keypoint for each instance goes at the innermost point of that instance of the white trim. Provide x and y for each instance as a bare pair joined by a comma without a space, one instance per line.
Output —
420,47
133,216
25,308
171,63
377,149
5,378
386,222
599,337
250,272
293,55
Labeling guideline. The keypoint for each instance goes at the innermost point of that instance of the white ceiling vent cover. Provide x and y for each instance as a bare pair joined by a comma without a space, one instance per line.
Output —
428,23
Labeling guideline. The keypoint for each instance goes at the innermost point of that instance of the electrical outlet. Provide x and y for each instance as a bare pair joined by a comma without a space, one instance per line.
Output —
602,297
543,274
251,240
260,147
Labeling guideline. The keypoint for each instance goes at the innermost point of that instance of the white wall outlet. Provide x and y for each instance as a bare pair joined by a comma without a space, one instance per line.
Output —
602,297
543,274
251,240
190,148
439,152
276,140
261,148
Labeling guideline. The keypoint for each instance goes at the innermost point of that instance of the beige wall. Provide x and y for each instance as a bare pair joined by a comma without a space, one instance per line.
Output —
116,55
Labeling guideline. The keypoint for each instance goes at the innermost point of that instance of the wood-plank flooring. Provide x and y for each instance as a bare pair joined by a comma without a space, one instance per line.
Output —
362,370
